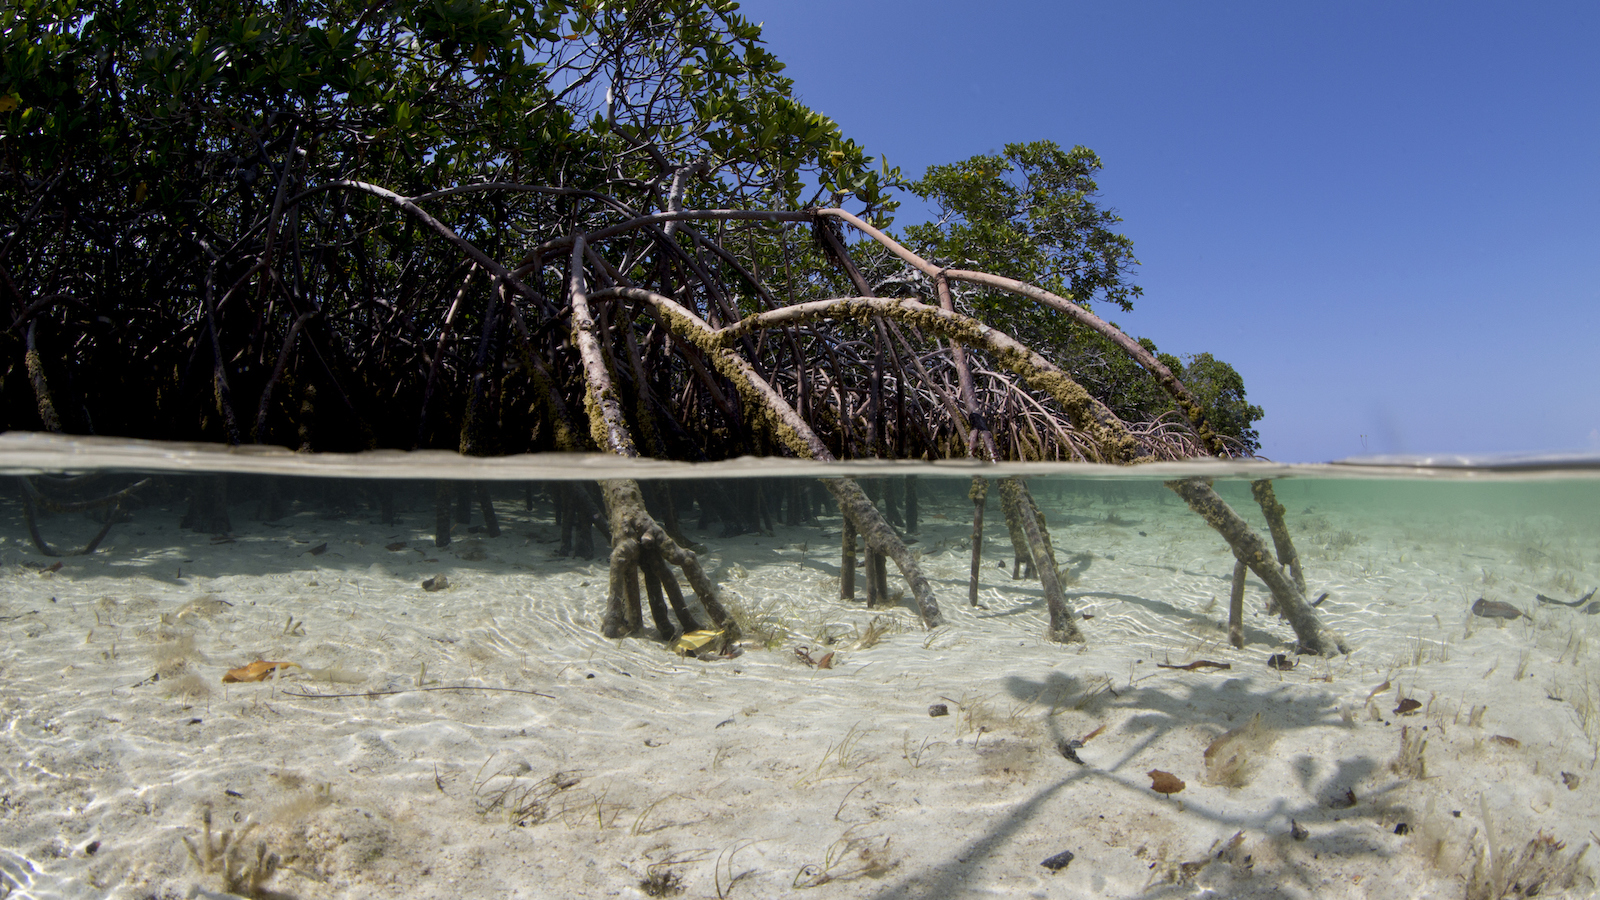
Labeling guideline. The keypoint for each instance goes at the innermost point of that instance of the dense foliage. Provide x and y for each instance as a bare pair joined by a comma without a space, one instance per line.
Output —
147,149
339,225
1030,214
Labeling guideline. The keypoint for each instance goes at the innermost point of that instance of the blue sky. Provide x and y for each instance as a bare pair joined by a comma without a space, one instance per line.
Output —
1386,216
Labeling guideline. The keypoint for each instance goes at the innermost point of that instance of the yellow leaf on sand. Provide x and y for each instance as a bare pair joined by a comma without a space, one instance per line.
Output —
694,642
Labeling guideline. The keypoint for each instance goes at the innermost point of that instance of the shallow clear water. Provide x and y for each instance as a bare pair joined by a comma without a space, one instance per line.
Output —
455,724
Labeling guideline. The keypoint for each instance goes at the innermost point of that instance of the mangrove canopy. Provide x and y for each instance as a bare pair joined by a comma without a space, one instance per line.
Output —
507,226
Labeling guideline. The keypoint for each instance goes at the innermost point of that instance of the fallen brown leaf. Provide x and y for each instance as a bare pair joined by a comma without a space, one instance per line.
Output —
1165,782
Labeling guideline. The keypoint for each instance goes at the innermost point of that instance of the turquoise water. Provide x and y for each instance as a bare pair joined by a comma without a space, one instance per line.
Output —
455,723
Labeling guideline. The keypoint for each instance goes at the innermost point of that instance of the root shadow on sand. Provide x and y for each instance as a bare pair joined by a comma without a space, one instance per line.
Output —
950,877
1338,833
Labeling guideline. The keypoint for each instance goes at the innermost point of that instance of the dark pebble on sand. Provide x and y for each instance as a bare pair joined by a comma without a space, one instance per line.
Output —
1058,862
938,709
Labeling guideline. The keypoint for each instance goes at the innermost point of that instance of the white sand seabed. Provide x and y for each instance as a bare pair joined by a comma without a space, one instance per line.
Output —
760,776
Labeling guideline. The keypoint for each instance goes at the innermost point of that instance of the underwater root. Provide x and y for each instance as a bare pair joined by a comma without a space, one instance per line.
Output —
640,546
1315,637
880,537
32,496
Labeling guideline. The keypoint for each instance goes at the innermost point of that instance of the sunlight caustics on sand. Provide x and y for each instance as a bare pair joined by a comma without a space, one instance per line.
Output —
482,739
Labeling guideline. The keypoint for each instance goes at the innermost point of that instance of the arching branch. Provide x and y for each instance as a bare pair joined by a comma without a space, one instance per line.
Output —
1169,382
1088,414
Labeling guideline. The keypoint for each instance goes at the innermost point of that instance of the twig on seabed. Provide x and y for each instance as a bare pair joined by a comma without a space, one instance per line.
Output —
1197,664
455,687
